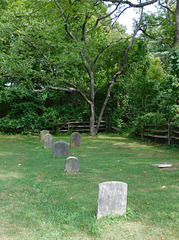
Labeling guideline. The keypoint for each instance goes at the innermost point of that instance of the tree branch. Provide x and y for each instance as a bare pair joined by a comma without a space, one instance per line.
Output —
53,88
167,6
65,21
102,88
117,17
128,48
97,3
70,90
118,72
83,28
147,34
85,61
61,10
109,44
77,90
100,18
138,5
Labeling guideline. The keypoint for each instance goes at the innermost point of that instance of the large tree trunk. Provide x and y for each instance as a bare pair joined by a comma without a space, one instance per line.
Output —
92,105
176,39
104,105
93,131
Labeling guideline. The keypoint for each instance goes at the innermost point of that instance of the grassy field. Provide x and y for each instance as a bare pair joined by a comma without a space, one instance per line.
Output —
38,200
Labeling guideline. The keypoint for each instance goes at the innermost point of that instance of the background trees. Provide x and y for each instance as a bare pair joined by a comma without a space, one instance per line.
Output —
84,63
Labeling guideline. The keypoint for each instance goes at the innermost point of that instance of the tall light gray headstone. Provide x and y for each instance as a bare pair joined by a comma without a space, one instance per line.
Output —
42,134
72,164
112,198
61,149
48,141
75,140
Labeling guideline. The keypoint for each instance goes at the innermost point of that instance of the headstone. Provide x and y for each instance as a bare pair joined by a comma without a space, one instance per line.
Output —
61,149
48,141
42,134
112,198
72,164
75,140
162,165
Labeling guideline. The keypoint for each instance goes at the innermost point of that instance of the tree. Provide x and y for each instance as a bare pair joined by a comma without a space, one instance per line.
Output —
85,25
64,51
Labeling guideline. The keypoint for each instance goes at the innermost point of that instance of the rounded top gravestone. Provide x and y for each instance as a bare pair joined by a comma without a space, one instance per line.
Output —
72,164
48,141
61,149
42,134
75,140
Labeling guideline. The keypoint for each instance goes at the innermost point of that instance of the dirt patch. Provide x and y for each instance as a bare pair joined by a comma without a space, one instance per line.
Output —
169,169
6,154
40,179
133,230
10,175
92,147
73,173
125,145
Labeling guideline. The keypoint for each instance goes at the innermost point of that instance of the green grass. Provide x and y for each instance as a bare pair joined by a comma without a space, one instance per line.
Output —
38,200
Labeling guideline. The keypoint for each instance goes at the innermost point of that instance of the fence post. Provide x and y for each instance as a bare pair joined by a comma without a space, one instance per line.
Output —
169,131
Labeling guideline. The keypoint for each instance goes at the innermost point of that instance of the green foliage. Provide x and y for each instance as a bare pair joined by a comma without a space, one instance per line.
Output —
151,118
22,111
161,26
174,62
168,97
36,50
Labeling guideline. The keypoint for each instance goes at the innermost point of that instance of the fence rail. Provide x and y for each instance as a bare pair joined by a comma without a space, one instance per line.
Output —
168,131
78,126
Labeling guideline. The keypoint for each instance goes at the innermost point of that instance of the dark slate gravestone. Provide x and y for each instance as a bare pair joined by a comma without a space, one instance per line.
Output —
42,134
61,149
75,140
48,141
72,164
112,198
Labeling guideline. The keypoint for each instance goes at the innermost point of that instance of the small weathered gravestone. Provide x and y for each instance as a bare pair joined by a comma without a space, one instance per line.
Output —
61,149
75,140
112,198
48,141
42,134
72,164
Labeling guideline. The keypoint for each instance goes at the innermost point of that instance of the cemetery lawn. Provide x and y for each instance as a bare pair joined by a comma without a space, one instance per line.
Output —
39,201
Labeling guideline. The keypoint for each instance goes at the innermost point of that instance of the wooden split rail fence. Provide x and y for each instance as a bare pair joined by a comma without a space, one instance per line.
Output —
78,126
168,132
